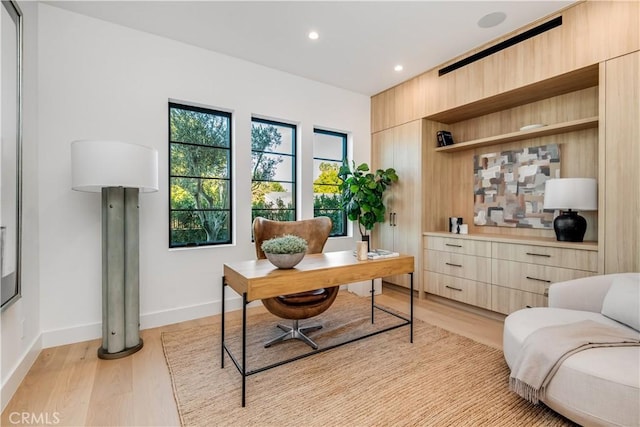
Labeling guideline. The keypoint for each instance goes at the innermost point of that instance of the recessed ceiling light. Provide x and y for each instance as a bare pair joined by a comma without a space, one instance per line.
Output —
313,35
492,19
398,67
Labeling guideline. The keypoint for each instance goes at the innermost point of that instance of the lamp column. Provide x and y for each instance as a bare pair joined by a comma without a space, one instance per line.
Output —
120,172
120,273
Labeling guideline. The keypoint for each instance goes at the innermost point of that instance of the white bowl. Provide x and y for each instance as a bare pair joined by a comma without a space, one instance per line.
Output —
533,126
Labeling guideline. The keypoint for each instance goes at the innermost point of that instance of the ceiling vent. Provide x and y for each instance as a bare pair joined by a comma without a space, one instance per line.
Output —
556,22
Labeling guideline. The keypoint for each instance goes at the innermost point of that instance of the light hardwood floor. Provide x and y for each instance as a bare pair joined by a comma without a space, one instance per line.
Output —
70,386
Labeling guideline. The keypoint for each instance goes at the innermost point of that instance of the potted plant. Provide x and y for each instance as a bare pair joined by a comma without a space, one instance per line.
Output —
362,194
285,251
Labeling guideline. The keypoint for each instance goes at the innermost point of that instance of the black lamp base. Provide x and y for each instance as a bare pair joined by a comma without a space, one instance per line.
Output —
569,226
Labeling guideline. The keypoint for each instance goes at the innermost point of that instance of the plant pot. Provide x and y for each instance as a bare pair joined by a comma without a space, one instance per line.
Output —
366,239
285,261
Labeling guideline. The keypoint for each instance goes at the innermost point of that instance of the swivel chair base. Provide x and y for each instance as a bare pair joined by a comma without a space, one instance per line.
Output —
296,333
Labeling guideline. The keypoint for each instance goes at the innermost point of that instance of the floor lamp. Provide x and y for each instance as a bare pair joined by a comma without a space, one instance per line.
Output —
119,171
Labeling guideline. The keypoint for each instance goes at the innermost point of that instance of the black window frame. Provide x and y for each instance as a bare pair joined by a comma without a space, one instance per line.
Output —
294,165
344,137
228,178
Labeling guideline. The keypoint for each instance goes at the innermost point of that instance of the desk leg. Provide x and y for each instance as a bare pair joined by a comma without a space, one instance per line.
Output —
244,347
411,309
373,292
222,327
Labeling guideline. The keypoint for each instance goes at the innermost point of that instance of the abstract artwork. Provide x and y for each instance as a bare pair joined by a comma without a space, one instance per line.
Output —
509,187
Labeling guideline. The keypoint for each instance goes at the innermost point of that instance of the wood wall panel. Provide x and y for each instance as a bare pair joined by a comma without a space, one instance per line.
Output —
448,179
563,108
592,32
437,180
620,189
579,151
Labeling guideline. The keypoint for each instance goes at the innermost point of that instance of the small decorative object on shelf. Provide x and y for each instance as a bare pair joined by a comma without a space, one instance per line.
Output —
285,251
444,138
533,126
454,224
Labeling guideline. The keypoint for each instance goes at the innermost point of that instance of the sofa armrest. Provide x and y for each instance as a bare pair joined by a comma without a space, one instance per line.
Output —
585,294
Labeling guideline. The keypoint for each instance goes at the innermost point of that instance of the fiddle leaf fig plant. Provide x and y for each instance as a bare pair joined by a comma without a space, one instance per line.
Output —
362,192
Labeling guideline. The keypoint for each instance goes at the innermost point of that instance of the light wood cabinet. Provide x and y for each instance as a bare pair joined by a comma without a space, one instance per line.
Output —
463,266
499,273
619,186
401,148
577,259
531,277
458,269
522,271
458,289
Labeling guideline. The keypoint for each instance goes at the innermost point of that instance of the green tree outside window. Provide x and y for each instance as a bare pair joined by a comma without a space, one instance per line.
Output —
199,176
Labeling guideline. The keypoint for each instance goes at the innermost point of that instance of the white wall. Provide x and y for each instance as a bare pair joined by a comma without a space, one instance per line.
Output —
97,80
20,323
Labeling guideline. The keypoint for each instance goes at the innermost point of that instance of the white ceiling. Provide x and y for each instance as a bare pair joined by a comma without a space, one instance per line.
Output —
360,42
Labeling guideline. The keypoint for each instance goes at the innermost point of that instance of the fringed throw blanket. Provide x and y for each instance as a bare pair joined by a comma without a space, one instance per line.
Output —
545,349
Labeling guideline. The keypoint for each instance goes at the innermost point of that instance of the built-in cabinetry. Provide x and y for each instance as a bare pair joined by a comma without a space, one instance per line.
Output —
502,274
401,148
506,269
458,269
619,183
581,81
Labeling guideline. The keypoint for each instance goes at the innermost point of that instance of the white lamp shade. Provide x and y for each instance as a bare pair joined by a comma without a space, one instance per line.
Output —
98,164
571,193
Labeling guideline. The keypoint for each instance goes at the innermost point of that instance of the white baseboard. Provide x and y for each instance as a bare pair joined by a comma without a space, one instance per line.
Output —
182,314
155,319
14,379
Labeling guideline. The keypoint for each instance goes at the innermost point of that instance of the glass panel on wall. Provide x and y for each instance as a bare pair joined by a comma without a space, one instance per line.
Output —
273,168
329,151
199,176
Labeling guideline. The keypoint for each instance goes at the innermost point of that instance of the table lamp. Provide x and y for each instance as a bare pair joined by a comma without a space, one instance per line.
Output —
569,195
119,171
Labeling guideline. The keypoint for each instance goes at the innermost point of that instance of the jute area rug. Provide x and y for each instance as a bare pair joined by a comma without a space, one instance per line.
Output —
442,379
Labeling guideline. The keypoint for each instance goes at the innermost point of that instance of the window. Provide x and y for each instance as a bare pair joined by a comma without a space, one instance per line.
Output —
273,170
199,176
329,151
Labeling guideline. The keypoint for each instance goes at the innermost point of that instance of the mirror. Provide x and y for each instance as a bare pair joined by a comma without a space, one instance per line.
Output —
10,153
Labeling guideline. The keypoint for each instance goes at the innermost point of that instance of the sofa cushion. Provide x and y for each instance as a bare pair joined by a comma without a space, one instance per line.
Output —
599,386
520,324
622,302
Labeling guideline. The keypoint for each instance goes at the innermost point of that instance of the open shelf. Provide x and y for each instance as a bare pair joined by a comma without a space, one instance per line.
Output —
555,129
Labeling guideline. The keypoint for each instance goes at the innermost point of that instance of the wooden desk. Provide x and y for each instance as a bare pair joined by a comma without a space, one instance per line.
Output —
259,279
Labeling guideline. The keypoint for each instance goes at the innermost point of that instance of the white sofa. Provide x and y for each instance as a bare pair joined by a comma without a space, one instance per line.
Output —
598,386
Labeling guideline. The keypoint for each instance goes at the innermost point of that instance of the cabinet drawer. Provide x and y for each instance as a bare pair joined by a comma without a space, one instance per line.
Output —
506,301
530,277
458,245
455,288
544,255
458,265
